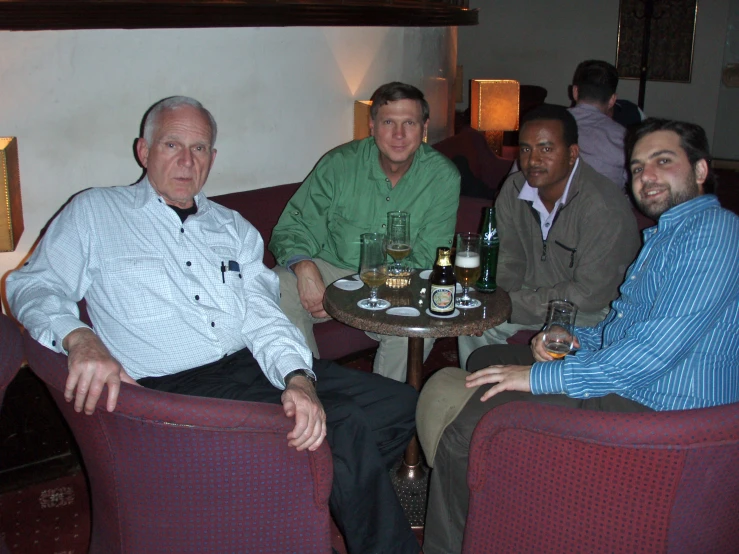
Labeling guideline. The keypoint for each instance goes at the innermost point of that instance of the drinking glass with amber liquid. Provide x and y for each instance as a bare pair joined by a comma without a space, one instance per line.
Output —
559,330
467,267
398,239
373,269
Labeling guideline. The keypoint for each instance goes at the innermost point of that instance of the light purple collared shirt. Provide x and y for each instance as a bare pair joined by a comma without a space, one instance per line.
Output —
601,142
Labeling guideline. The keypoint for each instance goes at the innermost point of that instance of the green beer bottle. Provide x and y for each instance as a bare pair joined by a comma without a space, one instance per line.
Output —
488,253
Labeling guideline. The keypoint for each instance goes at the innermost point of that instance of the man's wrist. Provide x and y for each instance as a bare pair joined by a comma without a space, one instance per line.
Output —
300,373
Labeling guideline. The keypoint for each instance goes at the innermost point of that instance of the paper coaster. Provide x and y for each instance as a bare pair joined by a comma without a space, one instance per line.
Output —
348,284
405,311
454,314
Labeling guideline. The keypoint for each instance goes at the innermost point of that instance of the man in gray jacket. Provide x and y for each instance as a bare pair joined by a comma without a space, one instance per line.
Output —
565,231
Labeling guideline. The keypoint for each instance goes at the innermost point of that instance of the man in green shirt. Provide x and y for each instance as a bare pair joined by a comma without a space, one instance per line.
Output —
350,191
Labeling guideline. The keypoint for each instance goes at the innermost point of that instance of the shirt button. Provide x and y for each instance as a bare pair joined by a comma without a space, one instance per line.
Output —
239,275
188,264
25,264
546,225
53,343
383,225
633,277
212,323
197,297
586,394
388,199
620,315
182,229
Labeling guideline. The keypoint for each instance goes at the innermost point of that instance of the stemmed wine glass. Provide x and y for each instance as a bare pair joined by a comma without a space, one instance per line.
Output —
559,330
398,240
467,267
373,270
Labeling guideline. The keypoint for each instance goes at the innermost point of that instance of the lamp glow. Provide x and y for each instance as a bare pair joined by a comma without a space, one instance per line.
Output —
494,109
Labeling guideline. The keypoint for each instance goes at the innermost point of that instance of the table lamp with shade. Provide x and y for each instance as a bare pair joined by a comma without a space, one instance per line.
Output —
11,209
494,109
361,118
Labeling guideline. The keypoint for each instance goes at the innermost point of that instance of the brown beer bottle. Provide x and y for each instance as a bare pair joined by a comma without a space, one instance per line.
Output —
442,284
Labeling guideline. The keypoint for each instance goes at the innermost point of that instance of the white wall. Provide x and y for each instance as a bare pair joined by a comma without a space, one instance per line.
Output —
282,98
726,137
540,42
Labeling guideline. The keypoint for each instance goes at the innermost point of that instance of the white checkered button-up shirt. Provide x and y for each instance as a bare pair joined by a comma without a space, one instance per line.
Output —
164,296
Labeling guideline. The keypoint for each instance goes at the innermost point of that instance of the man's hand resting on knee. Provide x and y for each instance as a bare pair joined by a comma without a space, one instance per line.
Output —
310,287
300,400
91,367
504,377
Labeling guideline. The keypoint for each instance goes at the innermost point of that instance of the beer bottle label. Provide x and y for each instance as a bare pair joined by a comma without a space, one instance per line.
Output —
442,299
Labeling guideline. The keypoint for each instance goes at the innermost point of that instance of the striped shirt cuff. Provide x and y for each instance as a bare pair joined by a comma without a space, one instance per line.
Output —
547,378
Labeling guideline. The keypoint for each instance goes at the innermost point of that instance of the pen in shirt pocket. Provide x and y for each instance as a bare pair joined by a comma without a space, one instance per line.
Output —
232,266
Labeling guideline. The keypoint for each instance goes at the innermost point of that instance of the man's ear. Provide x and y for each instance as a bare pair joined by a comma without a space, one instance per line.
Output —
574,153
372,127
142,151
575,93
700,170
612,101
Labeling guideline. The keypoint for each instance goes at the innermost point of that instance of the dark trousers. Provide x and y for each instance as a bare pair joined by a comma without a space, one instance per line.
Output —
369,419
448,492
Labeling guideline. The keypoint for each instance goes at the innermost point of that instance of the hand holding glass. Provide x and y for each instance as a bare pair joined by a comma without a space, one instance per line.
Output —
467,267
559,331
373,269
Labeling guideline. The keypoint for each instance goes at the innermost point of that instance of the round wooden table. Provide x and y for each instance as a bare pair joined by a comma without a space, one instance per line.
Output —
342,306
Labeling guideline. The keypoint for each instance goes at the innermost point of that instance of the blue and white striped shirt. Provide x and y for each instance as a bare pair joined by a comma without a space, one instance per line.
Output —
164,296
671,340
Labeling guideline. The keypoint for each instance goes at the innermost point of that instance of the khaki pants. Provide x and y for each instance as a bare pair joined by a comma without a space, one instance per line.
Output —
392,353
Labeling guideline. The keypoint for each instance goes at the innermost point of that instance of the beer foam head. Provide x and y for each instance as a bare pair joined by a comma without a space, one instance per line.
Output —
467,259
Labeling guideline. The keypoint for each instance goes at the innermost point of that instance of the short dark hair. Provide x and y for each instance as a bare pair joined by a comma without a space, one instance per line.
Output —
693,141
392,92
595,80
558,113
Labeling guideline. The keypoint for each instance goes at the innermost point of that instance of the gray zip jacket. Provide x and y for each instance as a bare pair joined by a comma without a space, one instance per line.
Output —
591,243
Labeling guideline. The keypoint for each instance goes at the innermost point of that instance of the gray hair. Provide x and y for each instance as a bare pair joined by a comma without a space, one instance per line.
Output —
172,103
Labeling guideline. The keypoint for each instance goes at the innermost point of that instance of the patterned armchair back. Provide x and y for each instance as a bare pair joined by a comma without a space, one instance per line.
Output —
552,479
173,473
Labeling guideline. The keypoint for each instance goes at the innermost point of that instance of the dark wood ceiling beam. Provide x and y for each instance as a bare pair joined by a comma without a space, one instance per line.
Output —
37,15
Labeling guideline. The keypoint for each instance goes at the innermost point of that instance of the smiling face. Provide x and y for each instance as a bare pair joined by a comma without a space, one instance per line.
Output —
545,159
398,129
662,176
180,157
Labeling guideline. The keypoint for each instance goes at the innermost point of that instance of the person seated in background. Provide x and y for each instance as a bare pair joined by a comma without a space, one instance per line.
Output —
565,231
601,138
670,342
626,113
350,192
181,302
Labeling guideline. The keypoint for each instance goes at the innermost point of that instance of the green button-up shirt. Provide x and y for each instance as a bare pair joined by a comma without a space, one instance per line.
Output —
348,194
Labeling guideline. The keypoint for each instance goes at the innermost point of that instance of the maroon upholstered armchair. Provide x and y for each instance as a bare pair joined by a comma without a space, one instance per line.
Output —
11,352
173,473
551,479
11,357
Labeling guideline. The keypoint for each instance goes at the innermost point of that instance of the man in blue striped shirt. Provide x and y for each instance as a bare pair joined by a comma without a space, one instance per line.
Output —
670,341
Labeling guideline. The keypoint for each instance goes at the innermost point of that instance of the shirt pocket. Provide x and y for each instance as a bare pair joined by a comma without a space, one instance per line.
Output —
345,235
224,258
140,287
